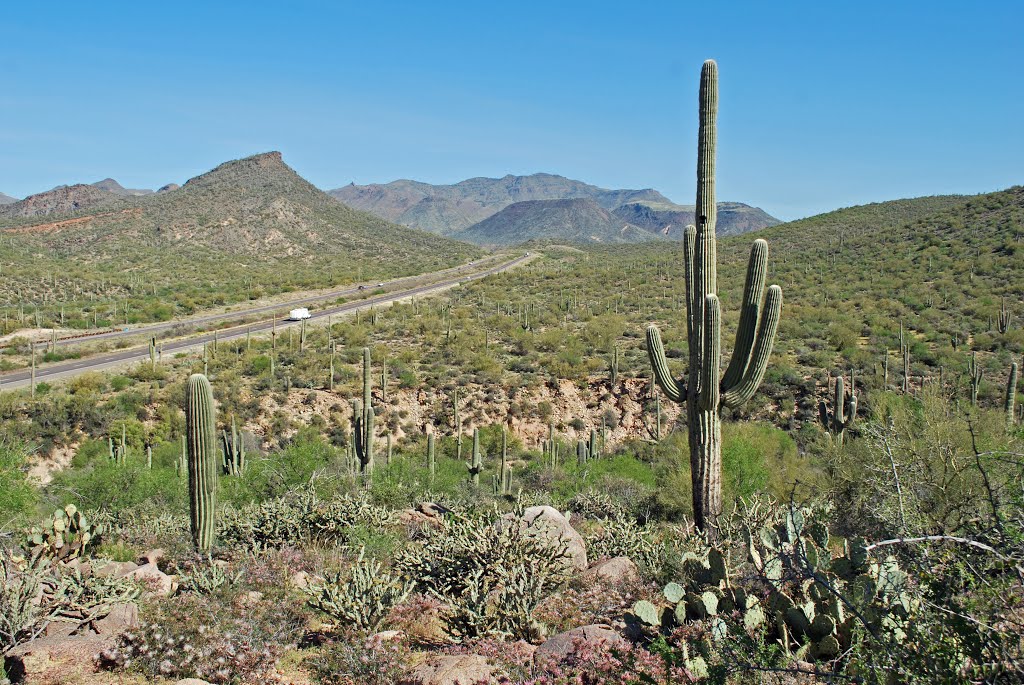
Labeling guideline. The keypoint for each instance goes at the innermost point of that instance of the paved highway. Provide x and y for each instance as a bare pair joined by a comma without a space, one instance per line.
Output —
98,362
154,330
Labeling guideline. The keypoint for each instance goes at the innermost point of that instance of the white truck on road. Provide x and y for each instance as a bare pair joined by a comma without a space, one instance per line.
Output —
299,314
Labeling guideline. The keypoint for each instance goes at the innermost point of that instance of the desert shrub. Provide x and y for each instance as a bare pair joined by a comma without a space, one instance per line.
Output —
357,661
219,638
17,495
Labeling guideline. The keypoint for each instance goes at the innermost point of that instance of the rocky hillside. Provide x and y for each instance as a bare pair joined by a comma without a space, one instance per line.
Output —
59,201
669,220
257,206
7,199
579,220
447,209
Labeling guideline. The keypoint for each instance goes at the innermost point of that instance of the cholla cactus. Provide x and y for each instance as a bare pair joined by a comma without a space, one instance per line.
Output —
363,599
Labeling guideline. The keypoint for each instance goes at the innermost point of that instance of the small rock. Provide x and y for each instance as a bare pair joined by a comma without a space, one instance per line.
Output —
153,556
120,618
191,681
431,509
155,580
565,644
52,659
415,517
385,636
300,580
467,669
116,569
615,570
550,523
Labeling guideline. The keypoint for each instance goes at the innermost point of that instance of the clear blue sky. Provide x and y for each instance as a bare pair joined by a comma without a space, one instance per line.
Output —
823,104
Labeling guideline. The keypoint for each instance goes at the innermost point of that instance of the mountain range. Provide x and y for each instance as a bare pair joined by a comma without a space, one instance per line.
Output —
462,210
486,211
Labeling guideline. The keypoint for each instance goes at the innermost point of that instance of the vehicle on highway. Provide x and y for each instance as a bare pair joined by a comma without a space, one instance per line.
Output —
299,314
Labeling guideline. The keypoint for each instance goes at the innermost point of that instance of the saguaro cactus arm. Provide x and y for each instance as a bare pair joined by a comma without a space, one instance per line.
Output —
735,395
674,390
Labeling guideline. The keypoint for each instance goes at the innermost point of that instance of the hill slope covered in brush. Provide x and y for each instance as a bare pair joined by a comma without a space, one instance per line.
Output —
251,220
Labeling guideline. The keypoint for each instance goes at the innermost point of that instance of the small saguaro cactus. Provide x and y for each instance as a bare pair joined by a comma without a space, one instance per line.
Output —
582,452
613,365
707,391
201,438
477,464
974,375
844,409
234,451
1011,395
431,462
592,446
906,367
503,479
1005,317
363,420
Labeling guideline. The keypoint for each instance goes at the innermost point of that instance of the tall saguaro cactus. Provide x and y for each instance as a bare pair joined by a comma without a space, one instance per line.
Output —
201,441
706,393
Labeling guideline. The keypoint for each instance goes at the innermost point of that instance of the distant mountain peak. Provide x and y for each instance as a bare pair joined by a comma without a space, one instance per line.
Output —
448,209
255,169
112,186
7,199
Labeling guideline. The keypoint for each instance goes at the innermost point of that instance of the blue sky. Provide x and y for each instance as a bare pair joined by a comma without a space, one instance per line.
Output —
823,104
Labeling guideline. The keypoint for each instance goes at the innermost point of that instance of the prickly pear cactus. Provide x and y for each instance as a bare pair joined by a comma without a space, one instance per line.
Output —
65,534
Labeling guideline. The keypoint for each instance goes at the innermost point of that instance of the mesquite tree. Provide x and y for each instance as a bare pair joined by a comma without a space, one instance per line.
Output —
707,393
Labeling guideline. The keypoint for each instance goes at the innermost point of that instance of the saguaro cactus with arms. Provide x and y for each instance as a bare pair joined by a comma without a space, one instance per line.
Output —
707,393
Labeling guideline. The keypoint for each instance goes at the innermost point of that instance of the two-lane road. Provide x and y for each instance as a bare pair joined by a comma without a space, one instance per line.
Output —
99,362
